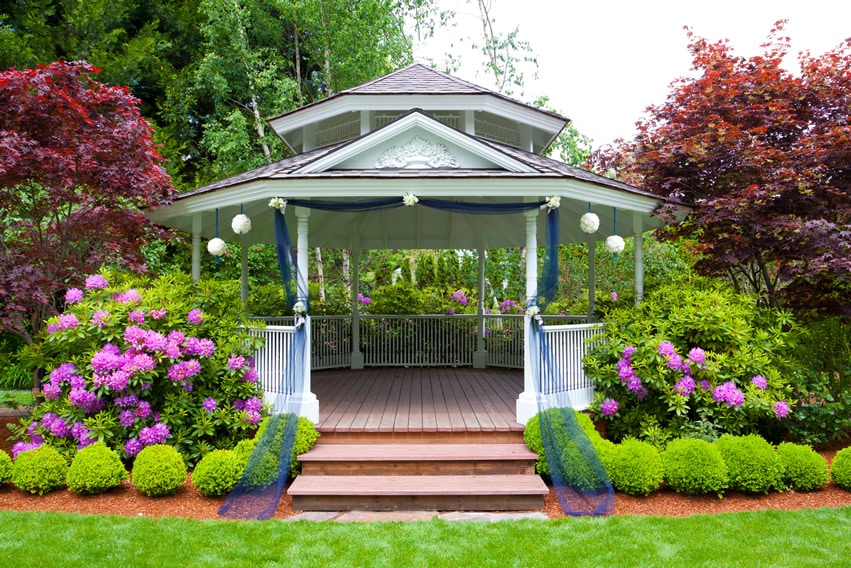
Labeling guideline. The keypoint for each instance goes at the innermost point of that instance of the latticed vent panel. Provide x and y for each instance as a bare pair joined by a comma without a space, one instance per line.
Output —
449,118
497,129
381,118
341,129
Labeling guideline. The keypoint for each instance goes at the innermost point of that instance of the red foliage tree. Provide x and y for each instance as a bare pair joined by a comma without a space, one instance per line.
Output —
765,157
77,163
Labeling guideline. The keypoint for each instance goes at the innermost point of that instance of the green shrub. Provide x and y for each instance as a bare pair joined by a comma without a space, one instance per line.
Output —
217,473
840,469
40,470
5,467
752,463
803,468
635,467
95,469
158,470
532,436
694,467
264,465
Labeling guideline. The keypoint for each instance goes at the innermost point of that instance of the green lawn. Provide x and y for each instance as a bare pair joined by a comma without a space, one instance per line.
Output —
765,538
18,397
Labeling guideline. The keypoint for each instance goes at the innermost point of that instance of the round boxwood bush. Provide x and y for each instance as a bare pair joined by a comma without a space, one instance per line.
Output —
217,473
752,463
635,467
40,470
95,469
840,469
305,436
694,467
804,469
158,470
532,436
5,467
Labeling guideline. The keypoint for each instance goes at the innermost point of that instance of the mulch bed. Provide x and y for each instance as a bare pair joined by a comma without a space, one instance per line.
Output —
188,503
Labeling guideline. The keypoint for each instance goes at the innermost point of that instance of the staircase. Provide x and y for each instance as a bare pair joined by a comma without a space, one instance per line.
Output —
485,471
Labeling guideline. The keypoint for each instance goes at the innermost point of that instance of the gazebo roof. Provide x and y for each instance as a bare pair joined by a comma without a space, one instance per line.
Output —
420,154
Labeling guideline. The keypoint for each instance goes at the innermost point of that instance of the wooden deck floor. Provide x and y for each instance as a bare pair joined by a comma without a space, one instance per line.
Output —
418,400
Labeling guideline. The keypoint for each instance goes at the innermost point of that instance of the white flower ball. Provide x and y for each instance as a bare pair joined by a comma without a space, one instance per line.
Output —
217,247
241,224
615,244
589,223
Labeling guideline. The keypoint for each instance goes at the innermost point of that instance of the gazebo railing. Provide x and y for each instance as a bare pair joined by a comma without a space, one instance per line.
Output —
562,374
418,340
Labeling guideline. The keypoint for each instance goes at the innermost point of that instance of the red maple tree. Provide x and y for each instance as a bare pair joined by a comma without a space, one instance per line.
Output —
765,157
77,163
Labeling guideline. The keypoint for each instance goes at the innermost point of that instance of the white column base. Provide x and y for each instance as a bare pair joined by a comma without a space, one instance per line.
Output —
480,359
527,407
356,361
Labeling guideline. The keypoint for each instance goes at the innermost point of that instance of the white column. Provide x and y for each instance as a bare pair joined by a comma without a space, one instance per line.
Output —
305,400
480,357
243,271
357,355
592,274
527,402
638,235
196,247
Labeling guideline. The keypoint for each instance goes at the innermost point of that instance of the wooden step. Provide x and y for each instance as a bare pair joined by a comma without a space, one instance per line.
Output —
514,436
418,492
418,459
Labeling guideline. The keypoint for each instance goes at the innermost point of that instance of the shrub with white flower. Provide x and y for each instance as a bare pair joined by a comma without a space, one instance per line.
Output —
157,369
589,223
615,244
409,200
241,224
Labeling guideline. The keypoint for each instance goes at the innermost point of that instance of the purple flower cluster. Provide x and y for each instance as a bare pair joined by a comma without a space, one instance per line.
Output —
760,382
507,305
461,297
684,386
131,296
152,435
252,408
66,322
195,317
100,318
627,374
73,295
364,300
137,316
609,407
209,404
781,409
157,314
96,282
236,362
729,393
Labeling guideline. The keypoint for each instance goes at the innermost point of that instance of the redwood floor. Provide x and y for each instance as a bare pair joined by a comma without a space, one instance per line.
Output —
440,399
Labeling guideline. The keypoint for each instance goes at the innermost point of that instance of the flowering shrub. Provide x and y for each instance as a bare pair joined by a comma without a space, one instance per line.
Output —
146,365
691,357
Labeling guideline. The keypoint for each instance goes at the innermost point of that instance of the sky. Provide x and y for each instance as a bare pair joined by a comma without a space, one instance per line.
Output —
602,62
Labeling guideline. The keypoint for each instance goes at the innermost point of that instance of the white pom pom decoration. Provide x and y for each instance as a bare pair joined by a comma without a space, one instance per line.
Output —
615,244
589,223
217,247
241,224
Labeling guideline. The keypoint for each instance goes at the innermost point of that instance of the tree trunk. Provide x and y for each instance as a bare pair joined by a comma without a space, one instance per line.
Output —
320,273
347,273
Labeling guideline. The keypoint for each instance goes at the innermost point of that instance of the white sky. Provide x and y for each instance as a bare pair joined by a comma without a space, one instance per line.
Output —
602,62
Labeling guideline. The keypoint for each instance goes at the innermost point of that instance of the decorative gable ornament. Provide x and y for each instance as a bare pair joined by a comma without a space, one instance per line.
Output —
418,154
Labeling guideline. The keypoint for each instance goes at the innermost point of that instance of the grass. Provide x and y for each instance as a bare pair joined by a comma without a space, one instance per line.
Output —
764,538
14,398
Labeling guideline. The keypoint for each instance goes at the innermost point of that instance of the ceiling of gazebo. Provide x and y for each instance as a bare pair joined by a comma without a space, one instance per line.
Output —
419,155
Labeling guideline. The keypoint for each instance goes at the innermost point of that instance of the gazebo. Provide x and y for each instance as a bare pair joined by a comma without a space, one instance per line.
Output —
444,151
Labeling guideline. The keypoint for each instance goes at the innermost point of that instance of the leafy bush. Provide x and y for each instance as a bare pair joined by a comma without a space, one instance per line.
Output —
217,473
635,467
803,468
694,467
752,463
5,467
39,470
264,465
158,470
95,469
693,351
840,469
532,436
147,362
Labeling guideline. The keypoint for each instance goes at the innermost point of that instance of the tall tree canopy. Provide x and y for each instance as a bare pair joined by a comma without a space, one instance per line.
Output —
77,162
765,156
